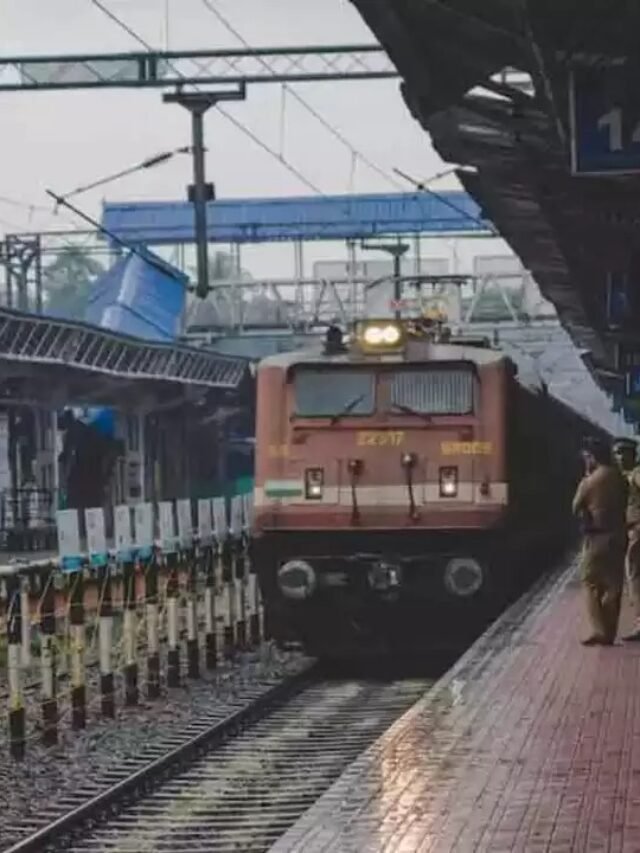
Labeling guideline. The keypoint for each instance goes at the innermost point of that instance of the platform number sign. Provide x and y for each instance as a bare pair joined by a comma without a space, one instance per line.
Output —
613,124
605,119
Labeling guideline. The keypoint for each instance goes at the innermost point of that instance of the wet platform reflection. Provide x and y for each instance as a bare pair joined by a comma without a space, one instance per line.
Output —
530,743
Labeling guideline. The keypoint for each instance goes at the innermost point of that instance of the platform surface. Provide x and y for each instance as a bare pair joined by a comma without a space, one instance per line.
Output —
530,743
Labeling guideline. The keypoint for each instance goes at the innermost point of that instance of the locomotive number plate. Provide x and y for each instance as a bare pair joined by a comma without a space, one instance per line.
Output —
278,451
383,438
466,448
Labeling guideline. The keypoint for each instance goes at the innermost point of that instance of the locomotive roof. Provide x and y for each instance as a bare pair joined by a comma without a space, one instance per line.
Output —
416,352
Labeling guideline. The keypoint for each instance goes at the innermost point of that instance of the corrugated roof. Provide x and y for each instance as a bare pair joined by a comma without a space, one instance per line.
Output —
568,231
82,350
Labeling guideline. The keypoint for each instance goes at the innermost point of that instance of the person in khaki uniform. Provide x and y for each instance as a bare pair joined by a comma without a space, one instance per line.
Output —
601,502
625,453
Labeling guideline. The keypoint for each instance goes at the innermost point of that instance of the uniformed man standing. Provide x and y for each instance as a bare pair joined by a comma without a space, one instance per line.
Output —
625,454
601,502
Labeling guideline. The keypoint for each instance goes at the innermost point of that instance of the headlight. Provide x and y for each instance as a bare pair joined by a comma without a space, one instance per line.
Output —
380,336
463,576
448,482
385,335
314,484
296,580
408,460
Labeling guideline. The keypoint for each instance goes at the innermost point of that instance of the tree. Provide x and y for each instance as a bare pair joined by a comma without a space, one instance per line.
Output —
224,306
67,282
222,267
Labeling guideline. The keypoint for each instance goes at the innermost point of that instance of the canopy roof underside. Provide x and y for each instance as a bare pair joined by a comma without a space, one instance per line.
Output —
569,231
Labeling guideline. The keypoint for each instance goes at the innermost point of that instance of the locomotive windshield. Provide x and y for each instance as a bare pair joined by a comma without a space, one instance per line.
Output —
330,393
440,391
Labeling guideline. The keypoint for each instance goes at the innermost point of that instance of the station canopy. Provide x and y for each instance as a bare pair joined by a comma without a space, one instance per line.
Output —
573,231
53,363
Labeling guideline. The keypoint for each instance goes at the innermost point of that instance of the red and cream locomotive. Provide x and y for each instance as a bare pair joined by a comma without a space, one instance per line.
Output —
400,481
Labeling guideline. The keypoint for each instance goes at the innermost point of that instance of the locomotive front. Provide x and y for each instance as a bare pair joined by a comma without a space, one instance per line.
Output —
380,489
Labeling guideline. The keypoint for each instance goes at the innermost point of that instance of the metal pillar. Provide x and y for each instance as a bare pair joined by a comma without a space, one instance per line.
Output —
397,274
141,423
397,251
352,274
236,252
417,248
198,103
299,259
22,261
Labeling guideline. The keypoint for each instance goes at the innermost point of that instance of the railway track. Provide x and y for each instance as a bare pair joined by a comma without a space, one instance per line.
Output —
239,782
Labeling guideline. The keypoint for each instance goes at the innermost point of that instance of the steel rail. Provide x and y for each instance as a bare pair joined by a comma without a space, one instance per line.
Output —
56,835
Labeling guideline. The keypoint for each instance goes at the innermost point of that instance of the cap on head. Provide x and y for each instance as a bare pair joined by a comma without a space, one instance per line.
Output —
625,444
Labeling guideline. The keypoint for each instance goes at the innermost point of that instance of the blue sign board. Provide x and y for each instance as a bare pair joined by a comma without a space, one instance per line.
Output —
605,119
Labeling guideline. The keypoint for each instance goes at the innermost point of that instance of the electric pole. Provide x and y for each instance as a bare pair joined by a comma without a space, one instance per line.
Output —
201,192
397,251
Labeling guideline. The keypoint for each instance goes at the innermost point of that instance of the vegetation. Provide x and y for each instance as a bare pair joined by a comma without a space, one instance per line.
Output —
67,282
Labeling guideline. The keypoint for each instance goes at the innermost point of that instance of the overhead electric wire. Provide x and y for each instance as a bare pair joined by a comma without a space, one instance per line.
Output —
22,229
10,226
301,100
156,264
120,23
421,186
148,163
27,206
236,122
14,202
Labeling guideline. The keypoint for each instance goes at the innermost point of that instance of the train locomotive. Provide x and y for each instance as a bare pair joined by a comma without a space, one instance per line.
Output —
405,481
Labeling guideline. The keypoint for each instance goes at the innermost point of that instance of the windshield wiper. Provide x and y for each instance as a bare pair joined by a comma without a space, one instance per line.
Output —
347,408
409,410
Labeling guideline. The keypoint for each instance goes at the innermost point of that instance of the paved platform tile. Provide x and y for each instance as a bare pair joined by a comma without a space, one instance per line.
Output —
530,743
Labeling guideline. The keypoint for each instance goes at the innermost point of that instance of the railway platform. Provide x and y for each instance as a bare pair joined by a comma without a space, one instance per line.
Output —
530,743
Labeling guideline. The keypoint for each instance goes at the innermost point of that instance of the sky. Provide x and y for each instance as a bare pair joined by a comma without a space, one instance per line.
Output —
61,140
64,140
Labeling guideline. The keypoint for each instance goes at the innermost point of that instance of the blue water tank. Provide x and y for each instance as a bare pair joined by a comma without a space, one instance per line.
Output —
141,295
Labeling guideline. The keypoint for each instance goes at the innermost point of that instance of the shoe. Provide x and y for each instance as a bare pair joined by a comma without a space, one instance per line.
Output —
634,637
595,641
